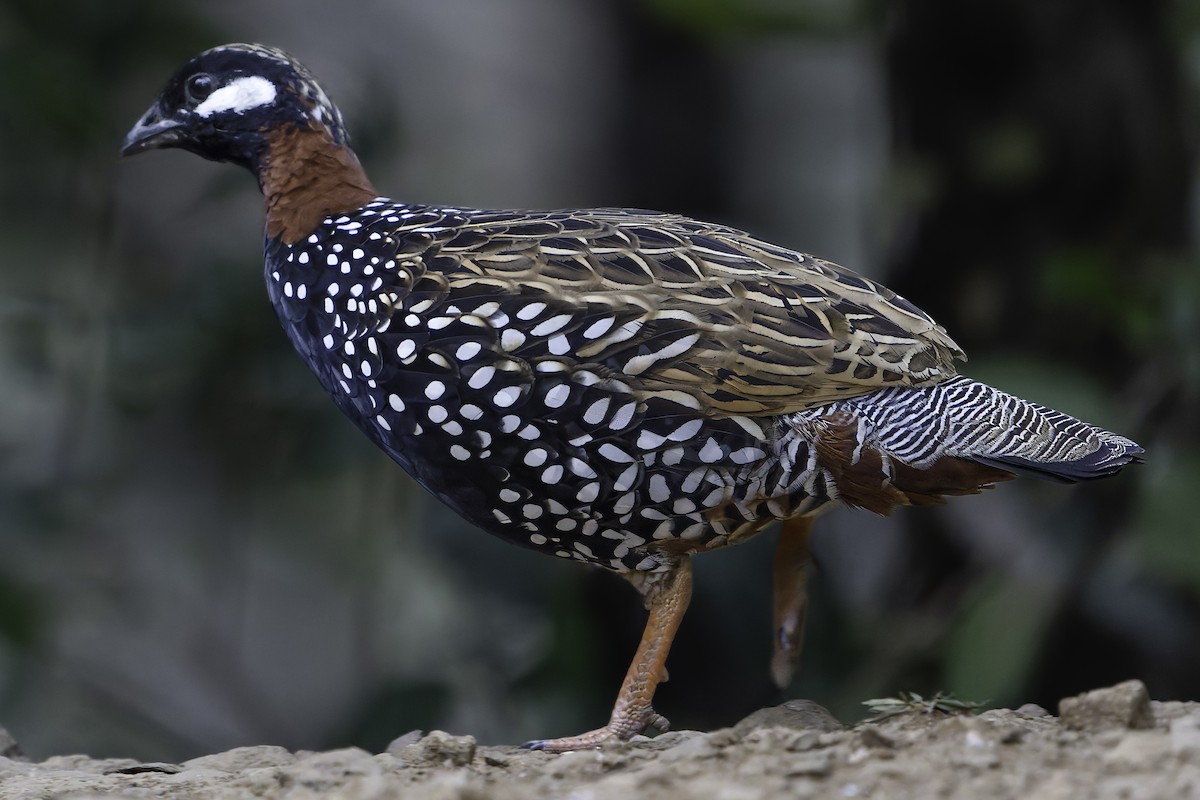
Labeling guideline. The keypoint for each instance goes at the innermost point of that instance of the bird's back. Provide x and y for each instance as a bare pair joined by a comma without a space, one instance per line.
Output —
611,385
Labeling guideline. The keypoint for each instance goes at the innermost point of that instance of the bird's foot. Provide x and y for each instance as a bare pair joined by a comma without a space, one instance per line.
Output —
620,728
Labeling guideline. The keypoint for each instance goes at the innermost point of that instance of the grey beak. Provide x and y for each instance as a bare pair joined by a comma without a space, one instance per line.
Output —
151,131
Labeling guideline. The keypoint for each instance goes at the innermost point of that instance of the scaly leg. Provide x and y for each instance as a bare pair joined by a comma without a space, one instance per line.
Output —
790,574
667,595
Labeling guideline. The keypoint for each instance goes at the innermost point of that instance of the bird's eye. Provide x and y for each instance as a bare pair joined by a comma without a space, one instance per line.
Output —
199,87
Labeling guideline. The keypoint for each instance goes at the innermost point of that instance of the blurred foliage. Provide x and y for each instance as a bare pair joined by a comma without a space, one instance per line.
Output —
196,551
722,19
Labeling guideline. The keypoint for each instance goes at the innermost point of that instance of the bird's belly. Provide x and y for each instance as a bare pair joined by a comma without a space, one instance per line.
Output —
588,473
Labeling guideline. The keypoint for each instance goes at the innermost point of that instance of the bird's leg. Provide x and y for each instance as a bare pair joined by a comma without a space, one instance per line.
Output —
790,573
666,595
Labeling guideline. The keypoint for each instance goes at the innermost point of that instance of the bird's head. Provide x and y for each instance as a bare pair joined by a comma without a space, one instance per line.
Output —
225,104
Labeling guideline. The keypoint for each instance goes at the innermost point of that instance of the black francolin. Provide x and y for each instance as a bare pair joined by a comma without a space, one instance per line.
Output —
621,388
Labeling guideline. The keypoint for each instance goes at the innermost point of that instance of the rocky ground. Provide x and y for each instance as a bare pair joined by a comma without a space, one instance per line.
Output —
1111,743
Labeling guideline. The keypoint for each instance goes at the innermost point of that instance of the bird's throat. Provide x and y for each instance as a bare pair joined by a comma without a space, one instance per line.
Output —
305,176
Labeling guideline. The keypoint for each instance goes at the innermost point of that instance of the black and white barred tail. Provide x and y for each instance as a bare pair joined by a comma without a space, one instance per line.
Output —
909,445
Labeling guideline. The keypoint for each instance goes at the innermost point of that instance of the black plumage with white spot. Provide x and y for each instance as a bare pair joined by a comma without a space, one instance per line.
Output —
479,391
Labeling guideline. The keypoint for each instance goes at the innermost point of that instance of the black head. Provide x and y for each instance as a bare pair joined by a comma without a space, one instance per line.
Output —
224,102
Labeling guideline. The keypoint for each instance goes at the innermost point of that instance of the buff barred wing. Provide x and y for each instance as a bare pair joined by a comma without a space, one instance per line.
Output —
699,314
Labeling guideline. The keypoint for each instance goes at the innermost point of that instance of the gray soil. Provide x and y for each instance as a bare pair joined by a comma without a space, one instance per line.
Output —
1110,743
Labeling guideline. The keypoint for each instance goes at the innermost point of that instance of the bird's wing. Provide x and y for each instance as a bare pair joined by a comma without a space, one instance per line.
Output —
697,313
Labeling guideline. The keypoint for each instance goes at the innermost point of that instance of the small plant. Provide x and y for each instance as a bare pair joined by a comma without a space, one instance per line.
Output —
884,707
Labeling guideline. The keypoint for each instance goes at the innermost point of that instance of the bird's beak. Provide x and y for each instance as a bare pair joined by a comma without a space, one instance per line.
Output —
151,131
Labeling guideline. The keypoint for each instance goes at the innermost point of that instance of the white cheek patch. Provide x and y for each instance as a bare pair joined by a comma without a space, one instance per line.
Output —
239,96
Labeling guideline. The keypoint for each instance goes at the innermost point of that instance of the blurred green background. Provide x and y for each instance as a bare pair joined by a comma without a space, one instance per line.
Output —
197,551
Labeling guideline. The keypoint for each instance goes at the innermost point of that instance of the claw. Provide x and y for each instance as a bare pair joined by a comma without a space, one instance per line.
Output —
617,730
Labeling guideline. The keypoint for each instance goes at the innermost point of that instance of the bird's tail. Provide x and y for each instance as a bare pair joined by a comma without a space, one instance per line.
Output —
957,437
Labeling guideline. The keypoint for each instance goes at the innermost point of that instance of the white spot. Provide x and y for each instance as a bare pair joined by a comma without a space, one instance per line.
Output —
624,503
599,328
686,431
692,482
459,452
659,491
673,456
471,411
537,538
332,260
481,378
530,311
614,453
507,396
503,518
239,96
467,351
287,288
580,468
711,452
453,428
558,345
596,411
528,433
302,258
567,524
406,348
438,414
536,457
552,325
302,291
509,423
395,402
383,423
552,474
557,396
511,339
365,368
328,340
587,494
357,254
435,389
349,373
623,417
509,496
683,506
648,440
625,480
531,511
747,454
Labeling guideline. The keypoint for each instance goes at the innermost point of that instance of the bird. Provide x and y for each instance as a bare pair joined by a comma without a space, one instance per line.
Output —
623,388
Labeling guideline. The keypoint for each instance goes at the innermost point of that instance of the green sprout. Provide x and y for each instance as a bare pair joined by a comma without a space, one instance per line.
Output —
905,702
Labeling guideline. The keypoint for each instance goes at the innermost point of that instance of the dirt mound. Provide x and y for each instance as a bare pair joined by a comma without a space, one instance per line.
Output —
1111,743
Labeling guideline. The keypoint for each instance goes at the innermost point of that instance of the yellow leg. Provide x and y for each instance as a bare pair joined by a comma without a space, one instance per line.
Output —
790,573
667,595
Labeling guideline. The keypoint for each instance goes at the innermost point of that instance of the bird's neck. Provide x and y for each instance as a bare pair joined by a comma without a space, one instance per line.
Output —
305,176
